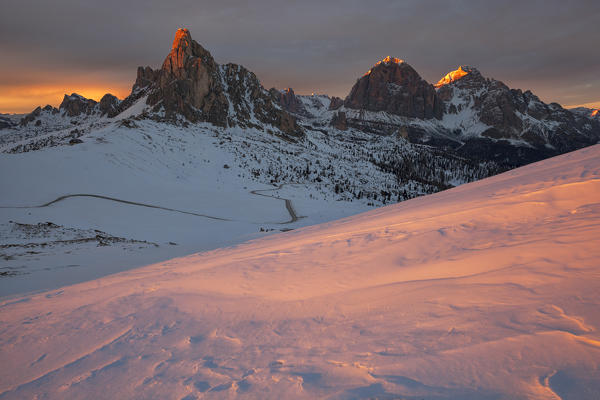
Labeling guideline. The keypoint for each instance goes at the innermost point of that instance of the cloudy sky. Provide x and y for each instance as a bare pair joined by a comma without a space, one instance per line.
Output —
92,47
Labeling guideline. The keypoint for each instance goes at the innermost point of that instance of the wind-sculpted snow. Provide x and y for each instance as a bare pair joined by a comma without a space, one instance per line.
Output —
485,291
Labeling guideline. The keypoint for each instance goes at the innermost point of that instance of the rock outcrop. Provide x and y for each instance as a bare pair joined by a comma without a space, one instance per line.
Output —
252,105
477,117
335,103
108,104
39,112
395,87
75,105
288,100
339,121
6,122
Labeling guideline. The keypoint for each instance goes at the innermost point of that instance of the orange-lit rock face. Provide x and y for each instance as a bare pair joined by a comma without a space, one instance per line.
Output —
387,60
453,76
595,113
187,81
182,35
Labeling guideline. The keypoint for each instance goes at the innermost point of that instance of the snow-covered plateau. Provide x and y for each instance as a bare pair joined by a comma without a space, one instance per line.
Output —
489,290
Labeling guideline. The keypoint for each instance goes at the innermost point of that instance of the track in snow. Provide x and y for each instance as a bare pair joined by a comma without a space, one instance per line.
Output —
288,204
135,203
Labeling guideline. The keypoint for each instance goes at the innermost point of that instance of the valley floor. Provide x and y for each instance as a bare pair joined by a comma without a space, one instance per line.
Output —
485,291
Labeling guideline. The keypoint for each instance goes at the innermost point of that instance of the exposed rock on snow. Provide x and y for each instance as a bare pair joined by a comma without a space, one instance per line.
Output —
34,241
335,103
108,104
288,101
75,105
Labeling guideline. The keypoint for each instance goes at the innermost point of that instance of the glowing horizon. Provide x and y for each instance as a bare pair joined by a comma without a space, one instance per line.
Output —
24,99
311,47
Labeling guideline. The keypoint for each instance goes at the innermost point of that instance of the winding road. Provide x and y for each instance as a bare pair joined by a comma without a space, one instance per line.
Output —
288,204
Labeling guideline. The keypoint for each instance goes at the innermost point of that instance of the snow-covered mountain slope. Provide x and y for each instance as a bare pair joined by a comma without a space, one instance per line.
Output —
465,113
487,108
183,190
485,291
189,187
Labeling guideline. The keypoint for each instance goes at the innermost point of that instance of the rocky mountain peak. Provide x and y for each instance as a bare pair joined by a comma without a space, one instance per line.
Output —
386,61
187,84
75,104
392,85
183,38
191,86
455,75
184,53
288,100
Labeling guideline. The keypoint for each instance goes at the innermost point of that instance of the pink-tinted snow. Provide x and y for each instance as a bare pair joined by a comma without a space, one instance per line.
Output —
489,290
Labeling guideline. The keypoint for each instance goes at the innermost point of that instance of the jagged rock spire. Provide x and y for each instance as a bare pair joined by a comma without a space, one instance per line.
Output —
190,84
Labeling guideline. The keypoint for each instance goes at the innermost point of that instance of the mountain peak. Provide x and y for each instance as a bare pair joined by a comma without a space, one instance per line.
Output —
394,86
183,38
386,61
455,75
186,57
390,60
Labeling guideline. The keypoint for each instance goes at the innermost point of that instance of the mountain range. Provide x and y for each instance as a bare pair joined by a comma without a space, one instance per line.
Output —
464,113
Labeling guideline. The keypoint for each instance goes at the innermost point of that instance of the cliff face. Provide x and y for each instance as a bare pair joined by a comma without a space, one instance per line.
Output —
393,86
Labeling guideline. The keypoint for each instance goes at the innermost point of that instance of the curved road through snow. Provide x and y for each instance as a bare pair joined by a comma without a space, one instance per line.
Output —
288,204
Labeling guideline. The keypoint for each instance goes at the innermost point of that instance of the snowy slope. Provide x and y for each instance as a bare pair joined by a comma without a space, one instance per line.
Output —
182,189
485,291
189,188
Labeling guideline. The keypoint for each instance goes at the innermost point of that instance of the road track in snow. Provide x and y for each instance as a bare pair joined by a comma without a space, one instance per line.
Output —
288,204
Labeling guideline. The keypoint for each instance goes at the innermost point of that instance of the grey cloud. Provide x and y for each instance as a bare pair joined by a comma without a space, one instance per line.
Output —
547,46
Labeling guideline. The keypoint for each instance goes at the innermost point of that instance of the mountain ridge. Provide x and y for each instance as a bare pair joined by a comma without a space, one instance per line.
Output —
464,113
